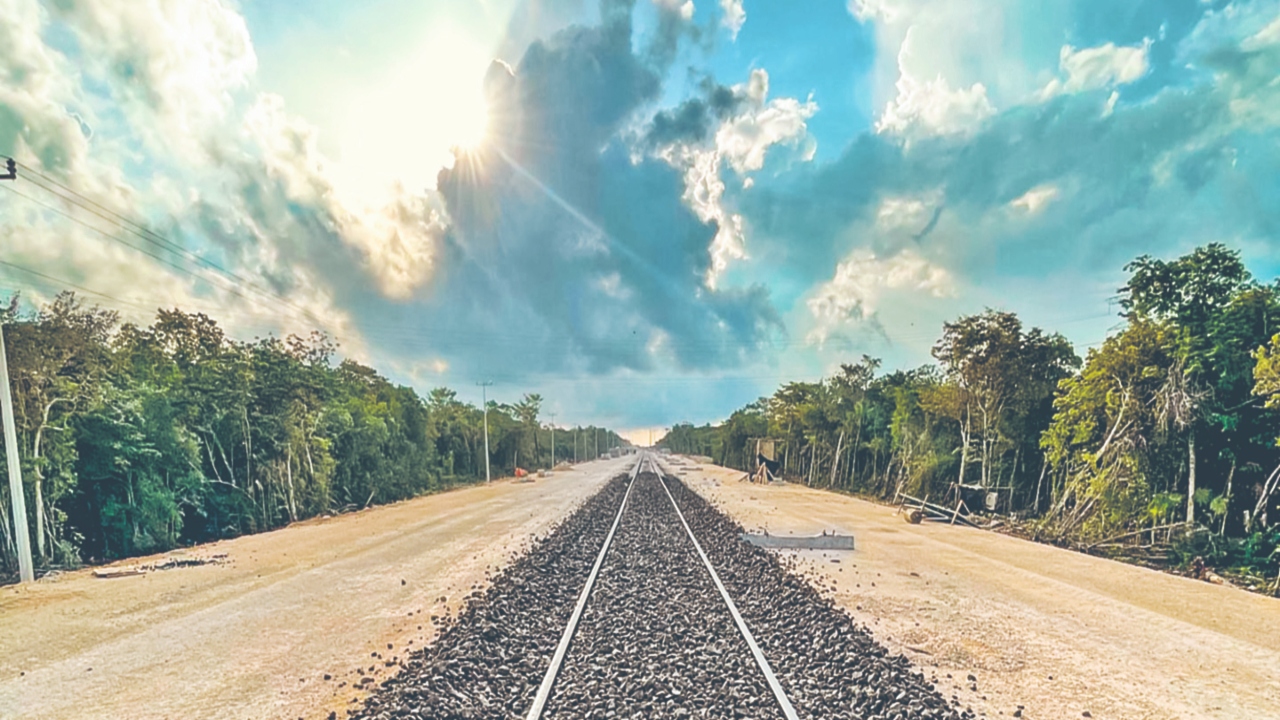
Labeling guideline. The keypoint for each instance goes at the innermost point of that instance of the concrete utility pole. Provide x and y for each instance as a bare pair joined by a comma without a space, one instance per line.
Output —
484,401
553,440
26,572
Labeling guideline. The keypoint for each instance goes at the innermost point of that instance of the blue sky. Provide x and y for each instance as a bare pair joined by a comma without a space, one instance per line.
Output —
649,211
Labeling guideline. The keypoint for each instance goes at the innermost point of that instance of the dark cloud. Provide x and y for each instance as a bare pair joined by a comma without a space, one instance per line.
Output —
688,122
695,119
565,247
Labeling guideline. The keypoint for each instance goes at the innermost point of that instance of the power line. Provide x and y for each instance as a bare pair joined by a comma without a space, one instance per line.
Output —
89,205
97,209
111,236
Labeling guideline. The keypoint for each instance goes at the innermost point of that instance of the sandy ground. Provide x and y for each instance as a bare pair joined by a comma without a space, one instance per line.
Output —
1060,633
254,635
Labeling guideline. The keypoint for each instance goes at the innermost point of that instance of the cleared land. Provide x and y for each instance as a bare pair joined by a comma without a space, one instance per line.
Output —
254,635
1055,631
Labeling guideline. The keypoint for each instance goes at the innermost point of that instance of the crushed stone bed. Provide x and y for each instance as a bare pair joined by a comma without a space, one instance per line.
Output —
656,638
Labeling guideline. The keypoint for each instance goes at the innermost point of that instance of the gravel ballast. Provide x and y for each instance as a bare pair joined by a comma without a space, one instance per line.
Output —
656,639
829,666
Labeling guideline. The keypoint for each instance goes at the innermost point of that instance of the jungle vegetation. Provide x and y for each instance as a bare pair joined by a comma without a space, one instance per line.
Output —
138,439
1171,425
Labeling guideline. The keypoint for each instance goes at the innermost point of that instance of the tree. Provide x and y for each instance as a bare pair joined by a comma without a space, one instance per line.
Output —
1004,376
526,411
1189,294
57,362
1102,440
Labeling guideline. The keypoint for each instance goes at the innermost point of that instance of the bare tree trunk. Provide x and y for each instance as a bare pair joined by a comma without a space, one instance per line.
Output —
248,447
835,460
288,468
1191,479
4,528
853,453
1264,500
1227,512
39,481
1044,466
40,501
964,445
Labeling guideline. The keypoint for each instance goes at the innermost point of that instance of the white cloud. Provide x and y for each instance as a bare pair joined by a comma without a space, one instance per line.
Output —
733,16
1268,36
744,139
611,285
1110,107
1035,199
931,107
222,166
704,194
1257,91
50,115
1002,45
173,66
907,215
397,238
1098,67
861,283
741,142
869,10
676,7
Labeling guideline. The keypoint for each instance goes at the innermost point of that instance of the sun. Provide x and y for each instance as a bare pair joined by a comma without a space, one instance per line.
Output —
405,126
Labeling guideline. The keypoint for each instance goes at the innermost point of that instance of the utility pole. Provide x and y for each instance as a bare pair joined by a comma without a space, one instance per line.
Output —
484,401
596,433
25,571
553,440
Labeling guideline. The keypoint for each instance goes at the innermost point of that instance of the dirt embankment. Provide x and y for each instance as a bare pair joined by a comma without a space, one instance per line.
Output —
285,625
1009,625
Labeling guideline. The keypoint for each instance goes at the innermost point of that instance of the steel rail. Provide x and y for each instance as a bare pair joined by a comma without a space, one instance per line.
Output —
557,660
787,709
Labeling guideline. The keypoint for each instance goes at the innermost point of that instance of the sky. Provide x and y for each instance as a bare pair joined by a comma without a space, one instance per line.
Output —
648,211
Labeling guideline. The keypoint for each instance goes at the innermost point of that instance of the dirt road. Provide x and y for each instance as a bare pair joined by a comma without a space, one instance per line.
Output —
255,635
1060,633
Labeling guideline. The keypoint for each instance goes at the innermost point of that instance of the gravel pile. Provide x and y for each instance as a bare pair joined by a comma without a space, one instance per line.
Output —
656,640
829,666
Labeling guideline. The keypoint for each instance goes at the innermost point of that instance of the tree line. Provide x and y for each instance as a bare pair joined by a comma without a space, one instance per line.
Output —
138,439
1173,421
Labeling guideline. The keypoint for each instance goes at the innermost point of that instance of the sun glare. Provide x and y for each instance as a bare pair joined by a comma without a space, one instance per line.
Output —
404,127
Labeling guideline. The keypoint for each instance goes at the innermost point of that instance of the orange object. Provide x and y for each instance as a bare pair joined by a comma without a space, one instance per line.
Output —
521,472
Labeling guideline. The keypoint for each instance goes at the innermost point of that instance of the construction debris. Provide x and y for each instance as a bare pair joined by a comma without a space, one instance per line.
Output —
932,511
169,563
800,542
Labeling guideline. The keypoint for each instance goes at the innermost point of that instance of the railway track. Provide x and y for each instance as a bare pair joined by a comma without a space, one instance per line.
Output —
660,601
643,604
